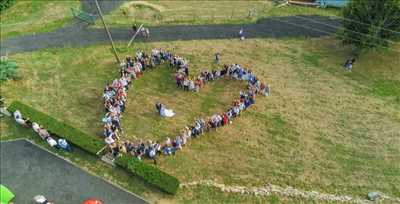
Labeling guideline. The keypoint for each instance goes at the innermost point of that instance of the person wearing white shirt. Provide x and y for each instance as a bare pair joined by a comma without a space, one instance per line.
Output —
35,127
109,140
41,200
51,142
18,118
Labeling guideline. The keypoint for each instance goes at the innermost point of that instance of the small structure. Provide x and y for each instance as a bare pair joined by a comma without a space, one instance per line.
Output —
321,3
332,3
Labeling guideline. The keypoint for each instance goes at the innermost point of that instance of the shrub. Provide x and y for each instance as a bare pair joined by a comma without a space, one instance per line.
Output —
8,69
149,173
5,4
75,136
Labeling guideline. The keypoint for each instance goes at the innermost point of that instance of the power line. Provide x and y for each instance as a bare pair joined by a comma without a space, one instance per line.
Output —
359,22
337,27
363,23
369,24
322,31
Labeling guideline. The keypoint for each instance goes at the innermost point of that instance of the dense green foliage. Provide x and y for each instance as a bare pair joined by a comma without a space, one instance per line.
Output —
371,23
5,4
58,128
8,69
149,173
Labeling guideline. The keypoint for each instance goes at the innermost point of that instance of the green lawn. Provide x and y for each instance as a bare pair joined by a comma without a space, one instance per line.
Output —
200,194
202,12
322,129
158,85
34,16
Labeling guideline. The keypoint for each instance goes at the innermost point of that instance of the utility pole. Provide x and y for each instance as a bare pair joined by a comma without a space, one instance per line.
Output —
108,32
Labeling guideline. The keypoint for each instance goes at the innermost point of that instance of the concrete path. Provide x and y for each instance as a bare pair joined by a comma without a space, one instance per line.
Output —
28,170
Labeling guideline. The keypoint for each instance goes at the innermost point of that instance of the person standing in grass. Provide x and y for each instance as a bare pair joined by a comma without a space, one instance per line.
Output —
267,90
217,57
186,84
348,65
191,85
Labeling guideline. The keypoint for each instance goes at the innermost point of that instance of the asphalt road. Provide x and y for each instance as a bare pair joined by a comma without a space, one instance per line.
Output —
78,33
28,170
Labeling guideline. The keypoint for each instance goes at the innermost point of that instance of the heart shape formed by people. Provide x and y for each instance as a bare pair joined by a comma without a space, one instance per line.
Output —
115,99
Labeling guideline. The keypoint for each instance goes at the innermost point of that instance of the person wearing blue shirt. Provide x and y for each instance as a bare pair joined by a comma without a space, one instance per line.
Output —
63,144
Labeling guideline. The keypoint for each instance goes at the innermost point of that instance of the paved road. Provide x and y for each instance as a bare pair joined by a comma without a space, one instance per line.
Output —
28,170
79,34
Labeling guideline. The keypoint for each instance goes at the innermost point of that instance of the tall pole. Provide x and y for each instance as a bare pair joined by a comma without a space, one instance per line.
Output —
108,32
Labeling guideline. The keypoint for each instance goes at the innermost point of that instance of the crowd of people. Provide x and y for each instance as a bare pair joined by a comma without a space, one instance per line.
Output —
115,96
42,132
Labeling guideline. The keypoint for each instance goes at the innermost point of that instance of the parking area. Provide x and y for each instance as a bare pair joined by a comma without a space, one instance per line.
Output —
29,170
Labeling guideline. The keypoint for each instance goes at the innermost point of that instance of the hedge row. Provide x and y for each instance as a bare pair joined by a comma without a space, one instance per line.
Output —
149,173
73,135
4,4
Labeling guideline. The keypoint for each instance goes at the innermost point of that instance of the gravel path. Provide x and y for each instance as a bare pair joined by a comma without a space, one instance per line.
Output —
79,34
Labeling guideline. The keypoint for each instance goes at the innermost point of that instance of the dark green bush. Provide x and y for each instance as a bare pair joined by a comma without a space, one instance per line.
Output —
149,173
8,69
5,4
75,136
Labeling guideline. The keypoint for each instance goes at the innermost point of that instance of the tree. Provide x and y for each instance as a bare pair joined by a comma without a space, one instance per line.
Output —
5,4
371,23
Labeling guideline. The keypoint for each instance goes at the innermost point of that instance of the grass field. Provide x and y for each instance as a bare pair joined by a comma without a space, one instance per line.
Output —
35,16
201,12
322,129
201,194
